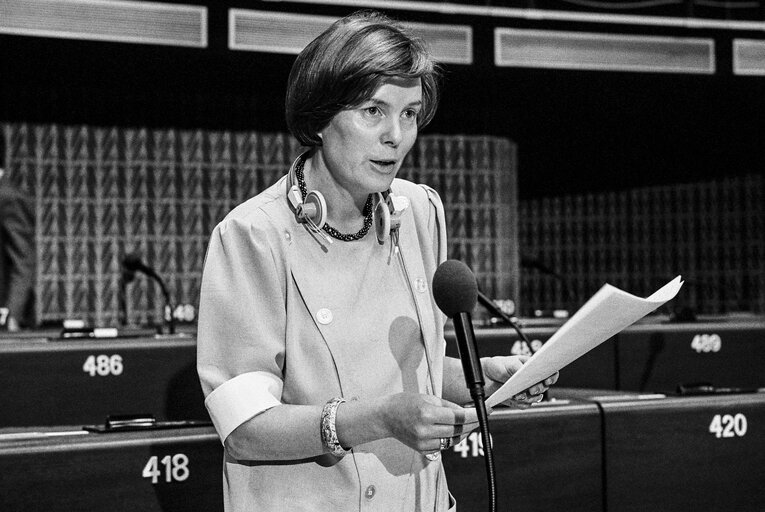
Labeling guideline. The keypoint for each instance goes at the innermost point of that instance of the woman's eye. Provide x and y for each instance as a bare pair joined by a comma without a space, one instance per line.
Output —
411,114
375,111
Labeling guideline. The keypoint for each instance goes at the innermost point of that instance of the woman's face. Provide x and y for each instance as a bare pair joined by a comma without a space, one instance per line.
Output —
364,147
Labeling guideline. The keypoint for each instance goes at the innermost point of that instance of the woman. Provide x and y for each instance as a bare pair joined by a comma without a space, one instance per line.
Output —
321,350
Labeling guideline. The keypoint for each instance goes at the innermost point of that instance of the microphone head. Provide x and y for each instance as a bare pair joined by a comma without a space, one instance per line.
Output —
132,262
454,288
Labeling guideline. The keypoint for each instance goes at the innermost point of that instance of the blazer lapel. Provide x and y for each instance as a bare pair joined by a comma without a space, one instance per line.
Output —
329,294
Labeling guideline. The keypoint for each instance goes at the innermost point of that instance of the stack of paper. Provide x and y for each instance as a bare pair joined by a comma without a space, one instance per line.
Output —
609,311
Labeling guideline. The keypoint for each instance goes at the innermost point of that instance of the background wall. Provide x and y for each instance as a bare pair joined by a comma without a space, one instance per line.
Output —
576,130
101,194
579,133
710,232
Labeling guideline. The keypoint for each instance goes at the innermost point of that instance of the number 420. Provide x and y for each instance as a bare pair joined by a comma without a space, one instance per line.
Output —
728,425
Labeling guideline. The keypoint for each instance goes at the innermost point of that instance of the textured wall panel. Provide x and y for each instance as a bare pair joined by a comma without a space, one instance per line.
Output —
713,233
102,193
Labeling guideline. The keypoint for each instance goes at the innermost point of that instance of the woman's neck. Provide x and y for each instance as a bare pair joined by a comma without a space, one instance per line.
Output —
345,211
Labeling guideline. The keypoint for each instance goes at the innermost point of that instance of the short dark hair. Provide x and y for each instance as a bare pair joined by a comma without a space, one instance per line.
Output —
346,64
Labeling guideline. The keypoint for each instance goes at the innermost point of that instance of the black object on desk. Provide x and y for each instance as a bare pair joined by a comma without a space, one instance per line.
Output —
141,422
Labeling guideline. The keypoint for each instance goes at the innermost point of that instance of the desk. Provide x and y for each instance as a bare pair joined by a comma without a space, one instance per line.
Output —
599,451
81,382
547,458
658,357
164,470
595,369
652,356
675,454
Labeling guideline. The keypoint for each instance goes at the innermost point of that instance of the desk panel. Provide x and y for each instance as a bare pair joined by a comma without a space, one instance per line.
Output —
699,454
173,470
596,369
658,357
547,458
81,382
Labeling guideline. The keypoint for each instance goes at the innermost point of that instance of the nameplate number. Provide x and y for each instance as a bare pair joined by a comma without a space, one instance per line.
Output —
102,365
471,446
520,348
185,313
728,425
706,343
168,469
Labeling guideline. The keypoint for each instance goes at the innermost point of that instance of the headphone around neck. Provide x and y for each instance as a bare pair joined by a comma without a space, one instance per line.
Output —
312,211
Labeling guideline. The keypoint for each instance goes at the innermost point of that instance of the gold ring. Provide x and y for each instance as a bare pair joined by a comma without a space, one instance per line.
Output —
445,443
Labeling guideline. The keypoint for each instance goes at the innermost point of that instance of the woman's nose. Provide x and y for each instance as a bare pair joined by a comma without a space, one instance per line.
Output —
392,133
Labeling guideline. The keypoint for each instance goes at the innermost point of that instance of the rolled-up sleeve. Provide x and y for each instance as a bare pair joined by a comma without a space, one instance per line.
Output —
242,319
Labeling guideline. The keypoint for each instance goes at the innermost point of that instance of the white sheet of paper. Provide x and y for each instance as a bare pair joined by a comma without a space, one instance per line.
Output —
607,312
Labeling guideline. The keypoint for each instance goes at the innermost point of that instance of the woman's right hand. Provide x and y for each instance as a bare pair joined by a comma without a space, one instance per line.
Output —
421,421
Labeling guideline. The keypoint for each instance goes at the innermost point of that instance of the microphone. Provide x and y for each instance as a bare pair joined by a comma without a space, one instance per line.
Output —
131,264
455,291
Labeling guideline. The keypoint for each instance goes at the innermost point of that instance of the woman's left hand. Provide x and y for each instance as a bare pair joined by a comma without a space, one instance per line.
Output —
500,368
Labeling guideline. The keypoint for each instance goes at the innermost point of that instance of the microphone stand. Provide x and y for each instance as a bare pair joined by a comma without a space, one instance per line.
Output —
133,264
168,309
492,306
471,366
126,277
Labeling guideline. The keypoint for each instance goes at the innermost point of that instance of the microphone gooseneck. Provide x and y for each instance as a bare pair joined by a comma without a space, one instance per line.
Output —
494,309
131,264
455,291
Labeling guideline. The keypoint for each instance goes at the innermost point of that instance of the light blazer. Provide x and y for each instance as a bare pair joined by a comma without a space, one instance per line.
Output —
278,317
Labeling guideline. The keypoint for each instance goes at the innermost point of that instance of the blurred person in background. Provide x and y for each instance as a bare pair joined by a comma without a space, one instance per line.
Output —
17,257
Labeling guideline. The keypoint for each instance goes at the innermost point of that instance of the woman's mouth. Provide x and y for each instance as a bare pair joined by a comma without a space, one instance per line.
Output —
384,164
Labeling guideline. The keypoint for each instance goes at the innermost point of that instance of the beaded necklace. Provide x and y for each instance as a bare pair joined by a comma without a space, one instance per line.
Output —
329,229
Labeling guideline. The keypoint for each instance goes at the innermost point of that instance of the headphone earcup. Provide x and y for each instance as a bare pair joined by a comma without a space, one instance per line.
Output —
315,207
381,217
